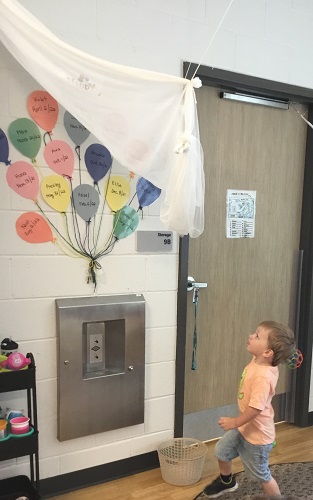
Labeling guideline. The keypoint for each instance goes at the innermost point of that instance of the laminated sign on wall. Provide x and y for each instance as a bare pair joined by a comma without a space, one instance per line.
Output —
240,213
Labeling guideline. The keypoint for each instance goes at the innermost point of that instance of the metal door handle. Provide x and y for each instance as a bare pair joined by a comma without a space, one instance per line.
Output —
192,284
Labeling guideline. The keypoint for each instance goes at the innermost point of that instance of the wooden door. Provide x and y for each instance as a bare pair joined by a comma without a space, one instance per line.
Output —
262,149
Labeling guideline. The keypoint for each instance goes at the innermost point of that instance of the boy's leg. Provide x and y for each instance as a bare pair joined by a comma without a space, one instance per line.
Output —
271,488
225,467
225,451
220,485
255,459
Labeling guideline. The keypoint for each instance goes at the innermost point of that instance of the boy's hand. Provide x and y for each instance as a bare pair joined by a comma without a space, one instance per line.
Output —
227,423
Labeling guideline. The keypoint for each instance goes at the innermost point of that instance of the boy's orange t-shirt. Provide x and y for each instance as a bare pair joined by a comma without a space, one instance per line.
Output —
256,389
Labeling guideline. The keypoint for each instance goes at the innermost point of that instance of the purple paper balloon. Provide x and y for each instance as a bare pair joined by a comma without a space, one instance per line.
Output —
147,193
4,148
98,161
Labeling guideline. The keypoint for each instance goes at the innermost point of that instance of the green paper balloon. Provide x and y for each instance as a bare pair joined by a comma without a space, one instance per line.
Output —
25,137
126,221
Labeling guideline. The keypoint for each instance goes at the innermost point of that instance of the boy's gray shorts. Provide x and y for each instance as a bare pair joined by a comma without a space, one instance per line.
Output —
253,456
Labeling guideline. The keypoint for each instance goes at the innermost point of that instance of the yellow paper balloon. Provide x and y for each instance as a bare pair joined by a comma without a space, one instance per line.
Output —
56,191
117,192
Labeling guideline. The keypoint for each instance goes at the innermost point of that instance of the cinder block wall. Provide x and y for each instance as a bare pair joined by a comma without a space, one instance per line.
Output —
265,38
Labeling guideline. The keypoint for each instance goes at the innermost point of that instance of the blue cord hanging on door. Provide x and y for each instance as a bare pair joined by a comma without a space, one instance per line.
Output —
195,333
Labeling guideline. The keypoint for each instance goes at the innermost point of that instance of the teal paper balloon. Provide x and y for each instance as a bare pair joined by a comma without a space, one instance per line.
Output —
25,137
125,223
76,131
86,201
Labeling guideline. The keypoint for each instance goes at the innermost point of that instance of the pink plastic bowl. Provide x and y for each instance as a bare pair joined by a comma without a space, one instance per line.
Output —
19,425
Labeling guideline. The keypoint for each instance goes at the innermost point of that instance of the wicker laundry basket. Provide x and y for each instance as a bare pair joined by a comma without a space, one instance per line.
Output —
181,460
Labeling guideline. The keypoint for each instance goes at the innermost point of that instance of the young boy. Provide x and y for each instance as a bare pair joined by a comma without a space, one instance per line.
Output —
251,435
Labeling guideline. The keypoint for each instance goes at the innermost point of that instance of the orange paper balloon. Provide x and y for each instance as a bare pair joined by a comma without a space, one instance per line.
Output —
43,109
33,228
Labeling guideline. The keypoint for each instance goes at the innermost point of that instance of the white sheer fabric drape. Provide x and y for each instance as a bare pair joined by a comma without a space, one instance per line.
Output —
147,120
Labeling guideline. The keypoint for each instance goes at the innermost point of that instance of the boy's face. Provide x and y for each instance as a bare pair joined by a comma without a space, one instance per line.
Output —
258,342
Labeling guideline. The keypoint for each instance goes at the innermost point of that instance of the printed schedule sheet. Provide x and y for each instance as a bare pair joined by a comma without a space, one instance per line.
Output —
240,213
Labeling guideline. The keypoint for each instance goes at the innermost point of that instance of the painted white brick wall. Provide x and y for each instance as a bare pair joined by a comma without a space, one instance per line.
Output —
265,38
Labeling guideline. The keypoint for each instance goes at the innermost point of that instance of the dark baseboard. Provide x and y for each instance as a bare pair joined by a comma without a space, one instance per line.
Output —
65,483
310,418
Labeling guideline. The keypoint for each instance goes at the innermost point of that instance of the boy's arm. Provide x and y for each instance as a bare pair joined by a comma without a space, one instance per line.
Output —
228,423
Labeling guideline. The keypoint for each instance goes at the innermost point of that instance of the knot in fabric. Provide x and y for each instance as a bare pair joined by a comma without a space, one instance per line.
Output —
184,145
196,82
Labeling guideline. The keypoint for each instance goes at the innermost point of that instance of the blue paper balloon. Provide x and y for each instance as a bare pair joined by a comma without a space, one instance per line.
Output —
147,193
4,148
98,161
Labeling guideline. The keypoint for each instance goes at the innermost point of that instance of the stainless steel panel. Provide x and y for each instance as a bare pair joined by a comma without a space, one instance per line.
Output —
101,364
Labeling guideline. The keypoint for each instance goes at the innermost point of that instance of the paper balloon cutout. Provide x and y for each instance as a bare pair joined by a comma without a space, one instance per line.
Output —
60,157
43,109
86,201
147,193
23,179
117,192
98,161
4,148
33,228
76,131
25,137
55,190
126,221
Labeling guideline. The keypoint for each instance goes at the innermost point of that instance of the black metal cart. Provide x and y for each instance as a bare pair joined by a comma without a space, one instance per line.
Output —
13,487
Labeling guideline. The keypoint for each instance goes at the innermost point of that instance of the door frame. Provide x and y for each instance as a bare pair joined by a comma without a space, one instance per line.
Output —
226,80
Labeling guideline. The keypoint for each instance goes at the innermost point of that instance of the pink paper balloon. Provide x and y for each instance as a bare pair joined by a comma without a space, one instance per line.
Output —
23,179
60,157
43,109
33,228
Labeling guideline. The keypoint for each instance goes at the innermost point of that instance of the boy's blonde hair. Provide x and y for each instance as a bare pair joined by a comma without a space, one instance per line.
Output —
281,341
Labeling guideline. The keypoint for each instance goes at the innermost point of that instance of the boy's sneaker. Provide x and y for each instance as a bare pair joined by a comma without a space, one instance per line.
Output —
218,488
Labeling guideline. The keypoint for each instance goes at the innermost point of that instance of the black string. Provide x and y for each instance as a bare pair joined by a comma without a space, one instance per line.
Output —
102,213
132,199
76,225
85,247
44,137
57,231
108,248
91,272
77,151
